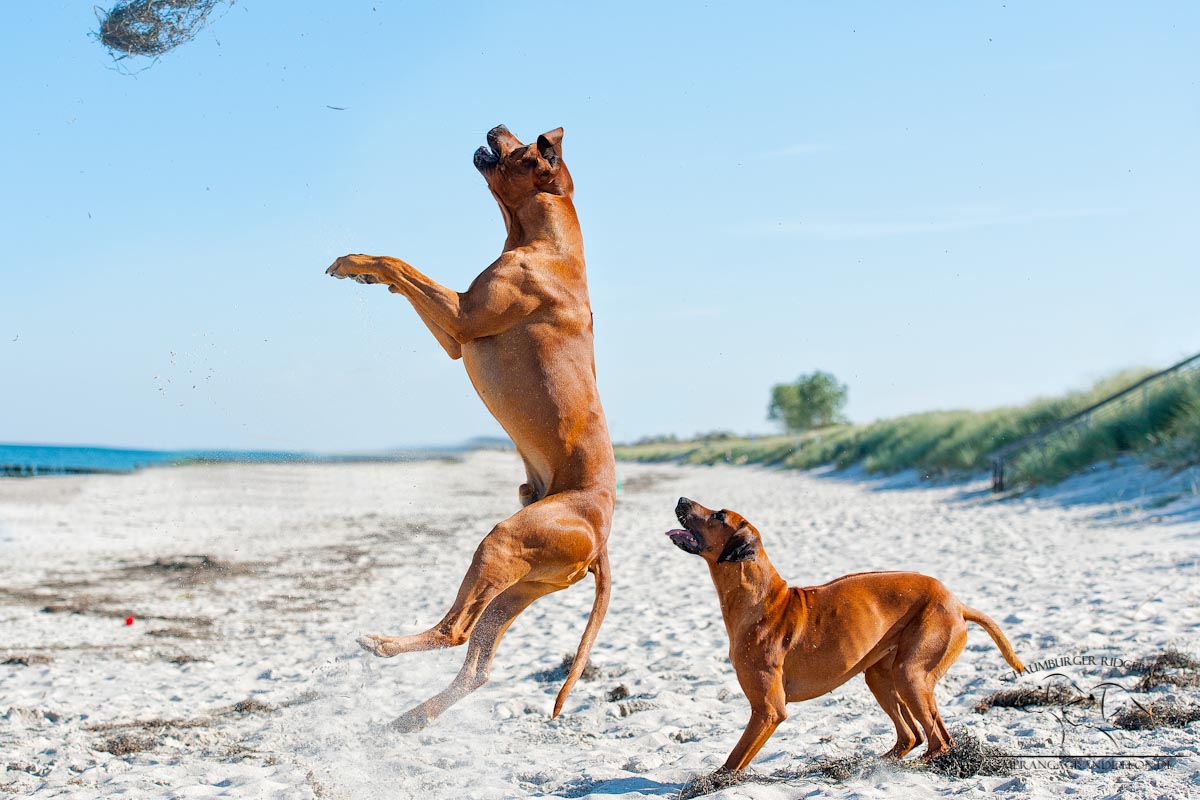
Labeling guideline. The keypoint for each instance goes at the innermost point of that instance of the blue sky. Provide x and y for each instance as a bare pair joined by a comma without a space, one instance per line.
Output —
947,205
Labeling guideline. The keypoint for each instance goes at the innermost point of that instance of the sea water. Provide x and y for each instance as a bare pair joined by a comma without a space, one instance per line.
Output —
34,459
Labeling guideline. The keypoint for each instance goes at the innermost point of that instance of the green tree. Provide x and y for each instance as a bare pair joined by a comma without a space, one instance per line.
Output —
813,401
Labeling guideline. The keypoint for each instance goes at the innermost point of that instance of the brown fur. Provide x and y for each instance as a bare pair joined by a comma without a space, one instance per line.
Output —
901,629
524,333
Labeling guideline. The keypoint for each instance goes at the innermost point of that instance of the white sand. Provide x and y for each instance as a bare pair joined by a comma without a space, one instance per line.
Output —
325,552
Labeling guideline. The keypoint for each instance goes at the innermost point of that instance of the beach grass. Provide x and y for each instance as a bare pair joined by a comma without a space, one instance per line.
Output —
1161,424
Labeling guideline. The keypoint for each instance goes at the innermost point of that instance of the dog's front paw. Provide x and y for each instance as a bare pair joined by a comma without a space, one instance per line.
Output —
364,269
705,784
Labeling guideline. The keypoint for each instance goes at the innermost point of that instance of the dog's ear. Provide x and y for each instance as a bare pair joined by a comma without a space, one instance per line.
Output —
549,144
742,546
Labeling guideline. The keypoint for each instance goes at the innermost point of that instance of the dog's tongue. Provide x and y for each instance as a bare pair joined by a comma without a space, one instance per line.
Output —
680,536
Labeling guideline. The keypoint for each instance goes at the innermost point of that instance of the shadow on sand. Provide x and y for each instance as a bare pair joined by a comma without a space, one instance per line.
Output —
616,786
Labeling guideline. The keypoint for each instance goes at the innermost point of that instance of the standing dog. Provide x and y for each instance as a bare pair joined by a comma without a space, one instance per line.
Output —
902,629
524,333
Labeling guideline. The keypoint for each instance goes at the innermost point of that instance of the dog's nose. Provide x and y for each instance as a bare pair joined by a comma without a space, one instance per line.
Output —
683,506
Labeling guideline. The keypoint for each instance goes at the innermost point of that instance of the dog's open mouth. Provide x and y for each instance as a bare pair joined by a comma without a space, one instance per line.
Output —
485,157
685,541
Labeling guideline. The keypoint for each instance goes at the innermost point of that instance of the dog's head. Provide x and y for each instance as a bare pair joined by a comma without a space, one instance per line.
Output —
721,537
515,172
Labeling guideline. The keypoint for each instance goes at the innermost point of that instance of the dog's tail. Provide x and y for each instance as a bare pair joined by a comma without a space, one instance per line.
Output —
599,570
989,625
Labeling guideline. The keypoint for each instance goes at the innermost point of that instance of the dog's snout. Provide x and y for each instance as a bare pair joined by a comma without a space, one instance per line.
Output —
682,508
502,141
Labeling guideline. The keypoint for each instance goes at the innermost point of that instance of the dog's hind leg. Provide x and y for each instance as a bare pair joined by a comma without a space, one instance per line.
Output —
908,736
495,567
927,649
549,542
909,719
485,639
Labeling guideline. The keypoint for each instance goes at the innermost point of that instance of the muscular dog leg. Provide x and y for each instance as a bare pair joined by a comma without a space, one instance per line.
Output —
879,680
765,716
485,639
495,566
462,316
448,343
926,650
956,634
548,537
909,720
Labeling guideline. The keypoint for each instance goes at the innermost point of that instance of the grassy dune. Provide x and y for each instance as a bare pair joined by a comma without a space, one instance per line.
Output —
1163,425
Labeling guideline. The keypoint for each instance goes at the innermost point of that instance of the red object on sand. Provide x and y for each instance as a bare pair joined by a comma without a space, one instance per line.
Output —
129,620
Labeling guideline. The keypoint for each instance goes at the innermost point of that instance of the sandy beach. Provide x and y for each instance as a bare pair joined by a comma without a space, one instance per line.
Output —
239,676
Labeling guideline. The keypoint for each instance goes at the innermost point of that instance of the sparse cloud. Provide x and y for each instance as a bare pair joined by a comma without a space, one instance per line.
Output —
943,222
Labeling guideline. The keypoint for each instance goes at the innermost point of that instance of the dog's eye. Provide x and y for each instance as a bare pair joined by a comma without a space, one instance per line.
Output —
719,516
